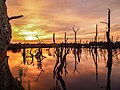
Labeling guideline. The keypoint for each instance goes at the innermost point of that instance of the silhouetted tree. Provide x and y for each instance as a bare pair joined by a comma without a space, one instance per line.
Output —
7,81
109,49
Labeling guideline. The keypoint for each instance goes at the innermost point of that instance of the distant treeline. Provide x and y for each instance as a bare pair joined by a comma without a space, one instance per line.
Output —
69,45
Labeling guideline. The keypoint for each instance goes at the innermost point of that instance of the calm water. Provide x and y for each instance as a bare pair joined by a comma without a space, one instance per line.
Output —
84,75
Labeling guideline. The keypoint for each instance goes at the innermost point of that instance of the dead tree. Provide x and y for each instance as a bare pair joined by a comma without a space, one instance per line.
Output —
75,49
53,38
96,33
95,54
61,63
109,49
75,31
65,66
7,81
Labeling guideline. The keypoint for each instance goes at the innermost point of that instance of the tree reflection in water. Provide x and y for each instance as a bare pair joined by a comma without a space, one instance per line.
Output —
58,69
39,56
109,65
60,66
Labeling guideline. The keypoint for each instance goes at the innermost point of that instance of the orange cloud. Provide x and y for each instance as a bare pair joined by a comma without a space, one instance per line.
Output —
52,16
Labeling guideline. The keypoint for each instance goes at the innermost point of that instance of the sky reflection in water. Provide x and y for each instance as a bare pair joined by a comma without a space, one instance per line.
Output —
82,79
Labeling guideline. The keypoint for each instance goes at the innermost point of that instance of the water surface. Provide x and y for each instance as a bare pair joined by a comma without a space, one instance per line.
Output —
83,75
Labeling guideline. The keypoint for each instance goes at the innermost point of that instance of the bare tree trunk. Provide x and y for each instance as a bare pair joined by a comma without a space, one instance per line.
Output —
7,81
5,29
109,49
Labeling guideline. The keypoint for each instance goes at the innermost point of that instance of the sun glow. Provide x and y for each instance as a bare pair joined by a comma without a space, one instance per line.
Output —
27,33
30,38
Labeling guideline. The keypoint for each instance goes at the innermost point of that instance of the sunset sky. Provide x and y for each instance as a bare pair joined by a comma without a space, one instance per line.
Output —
42,18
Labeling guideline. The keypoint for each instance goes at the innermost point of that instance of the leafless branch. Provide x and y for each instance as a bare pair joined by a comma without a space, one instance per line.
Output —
15,17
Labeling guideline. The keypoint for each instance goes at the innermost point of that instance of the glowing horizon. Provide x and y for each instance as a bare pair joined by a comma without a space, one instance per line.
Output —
42,18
